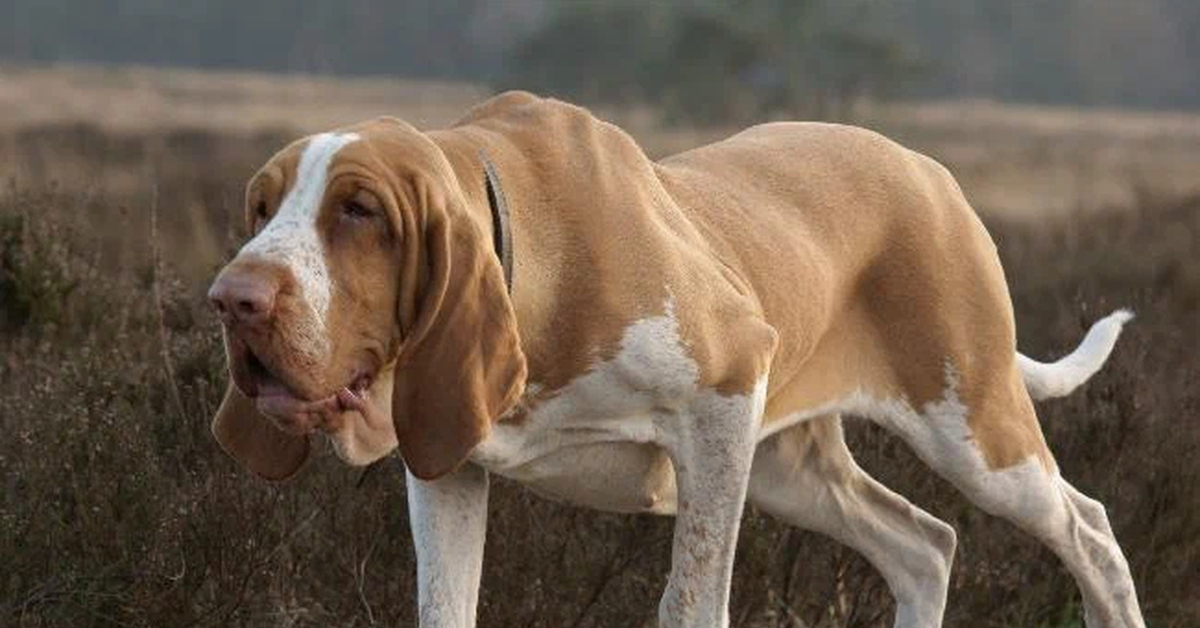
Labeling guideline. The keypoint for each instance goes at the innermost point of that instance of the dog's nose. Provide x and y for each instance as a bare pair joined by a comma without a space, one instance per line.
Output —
243,297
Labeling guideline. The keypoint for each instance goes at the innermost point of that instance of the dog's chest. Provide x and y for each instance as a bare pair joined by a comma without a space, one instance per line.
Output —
593,441
607,464
585,449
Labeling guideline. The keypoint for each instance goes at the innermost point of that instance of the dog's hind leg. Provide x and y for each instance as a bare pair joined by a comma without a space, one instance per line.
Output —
990,446
806,476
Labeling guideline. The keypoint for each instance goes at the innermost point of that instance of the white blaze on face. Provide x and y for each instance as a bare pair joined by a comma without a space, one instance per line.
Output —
291,238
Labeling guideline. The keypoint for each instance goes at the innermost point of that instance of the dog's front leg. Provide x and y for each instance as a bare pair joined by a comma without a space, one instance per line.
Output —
711,447
448,517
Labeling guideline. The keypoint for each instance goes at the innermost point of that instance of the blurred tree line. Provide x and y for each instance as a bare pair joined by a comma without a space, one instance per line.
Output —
714,60
405,37
701,59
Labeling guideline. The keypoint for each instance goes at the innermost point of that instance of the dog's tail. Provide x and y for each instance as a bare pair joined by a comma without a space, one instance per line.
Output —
1059,379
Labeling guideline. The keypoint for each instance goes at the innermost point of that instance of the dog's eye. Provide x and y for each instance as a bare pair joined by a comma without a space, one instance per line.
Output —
354,209
361,205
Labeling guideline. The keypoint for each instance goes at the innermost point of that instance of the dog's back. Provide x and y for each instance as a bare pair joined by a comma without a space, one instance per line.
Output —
868,261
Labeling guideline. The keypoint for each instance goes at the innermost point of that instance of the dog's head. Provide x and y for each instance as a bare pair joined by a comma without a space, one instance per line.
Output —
368,304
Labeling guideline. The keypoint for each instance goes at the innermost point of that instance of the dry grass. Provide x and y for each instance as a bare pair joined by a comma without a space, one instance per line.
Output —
1025,161
140,99
119,509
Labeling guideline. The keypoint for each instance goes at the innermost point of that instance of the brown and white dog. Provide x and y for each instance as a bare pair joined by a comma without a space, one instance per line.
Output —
680,336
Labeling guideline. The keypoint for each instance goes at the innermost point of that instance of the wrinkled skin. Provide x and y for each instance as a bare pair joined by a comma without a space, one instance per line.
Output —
306,370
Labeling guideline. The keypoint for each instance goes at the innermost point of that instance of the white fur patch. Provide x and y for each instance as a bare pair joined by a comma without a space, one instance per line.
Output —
609,413
291,237
939,434
936,432
611,402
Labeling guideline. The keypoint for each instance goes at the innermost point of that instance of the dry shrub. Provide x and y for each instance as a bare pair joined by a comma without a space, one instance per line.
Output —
119,509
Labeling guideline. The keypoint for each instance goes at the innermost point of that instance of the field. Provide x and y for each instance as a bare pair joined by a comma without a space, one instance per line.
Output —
122,194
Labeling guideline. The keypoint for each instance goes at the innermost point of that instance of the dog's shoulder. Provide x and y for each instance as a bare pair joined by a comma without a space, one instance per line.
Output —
553,134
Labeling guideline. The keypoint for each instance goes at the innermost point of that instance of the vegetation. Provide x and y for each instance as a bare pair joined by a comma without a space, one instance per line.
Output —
710,62
119,509
1092,52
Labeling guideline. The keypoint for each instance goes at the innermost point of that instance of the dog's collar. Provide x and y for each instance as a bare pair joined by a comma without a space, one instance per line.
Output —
501,234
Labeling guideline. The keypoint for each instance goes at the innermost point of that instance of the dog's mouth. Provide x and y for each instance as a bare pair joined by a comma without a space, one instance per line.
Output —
284,403
264,382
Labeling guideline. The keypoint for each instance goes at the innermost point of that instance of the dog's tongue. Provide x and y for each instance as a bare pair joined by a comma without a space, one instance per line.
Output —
292,414
299,416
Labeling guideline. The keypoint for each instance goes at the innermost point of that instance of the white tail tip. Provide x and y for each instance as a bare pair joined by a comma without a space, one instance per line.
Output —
1059,379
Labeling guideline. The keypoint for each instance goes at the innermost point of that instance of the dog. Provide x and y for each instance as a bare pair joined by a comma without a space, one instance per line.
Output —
527,294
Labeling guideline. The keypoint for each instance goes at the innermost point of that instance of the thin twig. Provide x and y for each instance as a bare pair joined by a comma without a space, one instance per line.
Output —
618,563
266,559
163,338
792,615
360,577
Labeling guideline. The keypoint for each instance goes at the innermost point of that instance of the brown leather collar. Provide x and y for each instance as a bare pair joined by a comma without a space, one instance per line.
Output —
501,235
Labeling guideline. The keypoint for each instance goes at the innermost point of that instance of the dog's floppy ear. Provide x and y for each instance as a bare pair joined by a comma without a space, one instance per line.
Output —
461,366
254,441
